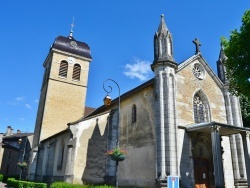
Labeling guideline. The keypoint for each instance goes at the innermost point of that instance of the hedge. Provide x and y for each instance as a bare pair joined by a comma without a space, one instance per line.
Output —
1,177
68,185
24,184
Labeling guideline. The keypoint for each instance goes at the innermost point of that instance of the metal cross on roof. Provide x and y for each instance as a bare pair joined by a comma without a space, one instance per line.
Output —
197,45
71,29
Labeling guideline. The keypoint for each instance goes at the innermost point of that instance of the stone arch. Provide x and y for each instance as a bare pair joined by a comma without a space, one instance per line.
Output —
201,107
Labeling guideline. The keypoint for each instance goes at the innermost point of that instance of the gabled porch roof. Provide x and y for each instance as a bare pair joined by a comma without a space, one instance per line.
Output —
225,129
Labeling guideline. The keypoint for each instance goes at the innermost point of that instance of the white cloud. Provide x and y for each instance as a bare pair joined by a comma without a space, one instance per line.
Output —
138,69
27,106
21,119
19,98
36,100
13,103
16,101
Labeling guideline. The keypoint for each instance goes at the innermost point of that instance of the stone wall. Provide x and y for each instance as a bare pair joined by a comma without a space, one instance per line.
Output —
187,85
52,159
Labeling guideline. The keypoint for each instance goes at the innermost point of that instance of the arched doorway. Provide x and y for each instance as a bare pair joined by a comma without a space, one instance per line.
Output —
202,160
201,172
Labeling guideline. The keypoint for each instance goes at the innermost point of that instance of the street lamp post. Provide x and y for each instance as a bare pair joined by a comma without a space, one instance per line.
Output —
107,101
20,140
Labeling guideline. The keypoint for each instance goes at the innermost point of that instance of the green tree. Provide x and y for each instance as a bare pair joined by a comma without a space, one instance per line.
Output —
245,110
237,50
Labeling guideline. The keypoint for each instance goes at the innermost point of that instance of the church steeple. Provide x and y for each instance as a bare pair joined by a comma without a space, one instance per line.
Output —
163,46
220,65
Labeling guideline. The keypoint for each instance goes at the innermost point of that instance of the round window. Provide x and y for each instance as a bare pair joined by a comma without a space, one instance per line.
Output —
198,71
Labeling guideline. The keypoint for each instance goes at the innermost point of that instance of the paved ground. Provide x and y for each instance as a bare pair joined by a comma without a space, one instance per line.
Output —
3,185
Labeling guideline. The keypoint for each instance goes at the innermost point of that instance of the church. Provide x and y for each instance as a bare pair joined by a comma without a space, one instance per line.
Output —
183,123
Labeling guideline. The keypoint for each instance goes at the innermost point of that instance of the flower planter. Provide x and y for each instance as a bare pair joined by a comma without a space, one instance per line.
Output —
118,157
22,165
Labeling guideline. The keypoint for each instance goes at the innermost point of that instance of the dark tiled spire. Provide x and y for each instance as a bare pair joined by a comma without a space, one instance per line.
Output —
221,65
163,44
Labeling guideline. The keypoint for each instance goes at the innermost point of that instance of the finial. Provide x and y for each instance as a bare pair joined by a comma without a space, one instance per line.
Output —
162,15
221,45
71,29
222,55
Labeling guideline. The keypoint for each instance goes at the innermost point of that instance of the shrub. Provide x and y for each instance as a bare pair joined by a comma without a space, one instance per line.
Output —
40,185
5,178
1,177
68,185
24,184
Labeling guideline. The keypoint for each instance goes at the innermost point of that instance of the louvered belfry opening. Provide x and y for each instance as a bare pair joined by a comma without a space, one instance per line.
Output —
76,72
63,69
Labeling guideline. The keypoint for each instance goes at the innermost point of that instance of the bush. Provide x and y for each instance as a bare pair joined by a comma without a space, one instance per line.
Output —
1,177
6,177
68,185
24,184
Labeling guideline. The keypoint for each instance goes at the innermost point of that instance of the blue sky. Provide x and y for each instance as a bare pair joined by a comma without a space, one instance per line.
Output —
119,33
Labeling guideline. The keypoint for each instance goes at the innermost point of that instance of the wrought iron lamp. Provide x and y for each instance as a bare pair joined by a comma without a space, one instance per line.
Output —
107,102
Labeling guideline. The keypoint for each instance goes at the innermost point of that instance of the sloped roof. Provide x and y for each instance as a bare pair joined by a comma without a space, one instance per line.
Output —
17,135
103,108
69,44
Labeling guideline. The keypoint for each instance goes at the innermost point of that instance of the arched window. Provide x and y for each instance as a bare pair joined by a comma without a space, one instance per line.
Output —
63,69
60,156
134,113
201,108
76,72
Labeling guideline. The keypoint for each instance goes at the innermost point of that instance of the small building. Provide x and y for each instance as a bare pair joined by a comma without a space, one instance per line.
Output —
15,153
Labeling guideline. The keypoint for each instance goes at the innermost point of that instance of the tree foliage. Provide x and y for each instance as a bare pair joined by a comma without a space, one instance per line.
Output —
237,51
245,110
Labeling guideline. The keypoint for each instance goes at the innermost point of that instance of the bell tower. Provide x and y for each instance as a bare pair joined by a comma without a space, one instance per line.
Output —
64,86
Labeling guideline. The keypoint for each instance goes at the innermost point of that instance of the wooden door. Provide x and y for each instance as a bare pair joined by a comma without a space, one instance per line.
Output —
201,173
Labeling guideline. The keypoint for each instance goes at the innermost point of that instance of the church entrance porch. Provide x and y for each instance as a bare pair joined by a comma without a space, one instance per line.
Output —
210,168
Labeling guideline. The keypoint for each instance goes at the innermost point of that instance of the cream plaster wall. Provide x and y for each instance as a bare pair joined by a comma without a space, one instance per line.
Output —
138,169
90,158
61,139
138,138
141,133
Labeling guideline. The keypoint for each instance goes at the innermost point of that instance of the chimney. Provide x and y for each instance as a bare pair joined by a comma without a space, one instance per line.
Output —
11,131
8,131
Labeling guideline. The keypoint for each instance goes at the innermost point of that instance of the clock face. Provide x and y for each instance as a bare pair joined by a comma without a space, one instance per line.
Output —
73,43
71,60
